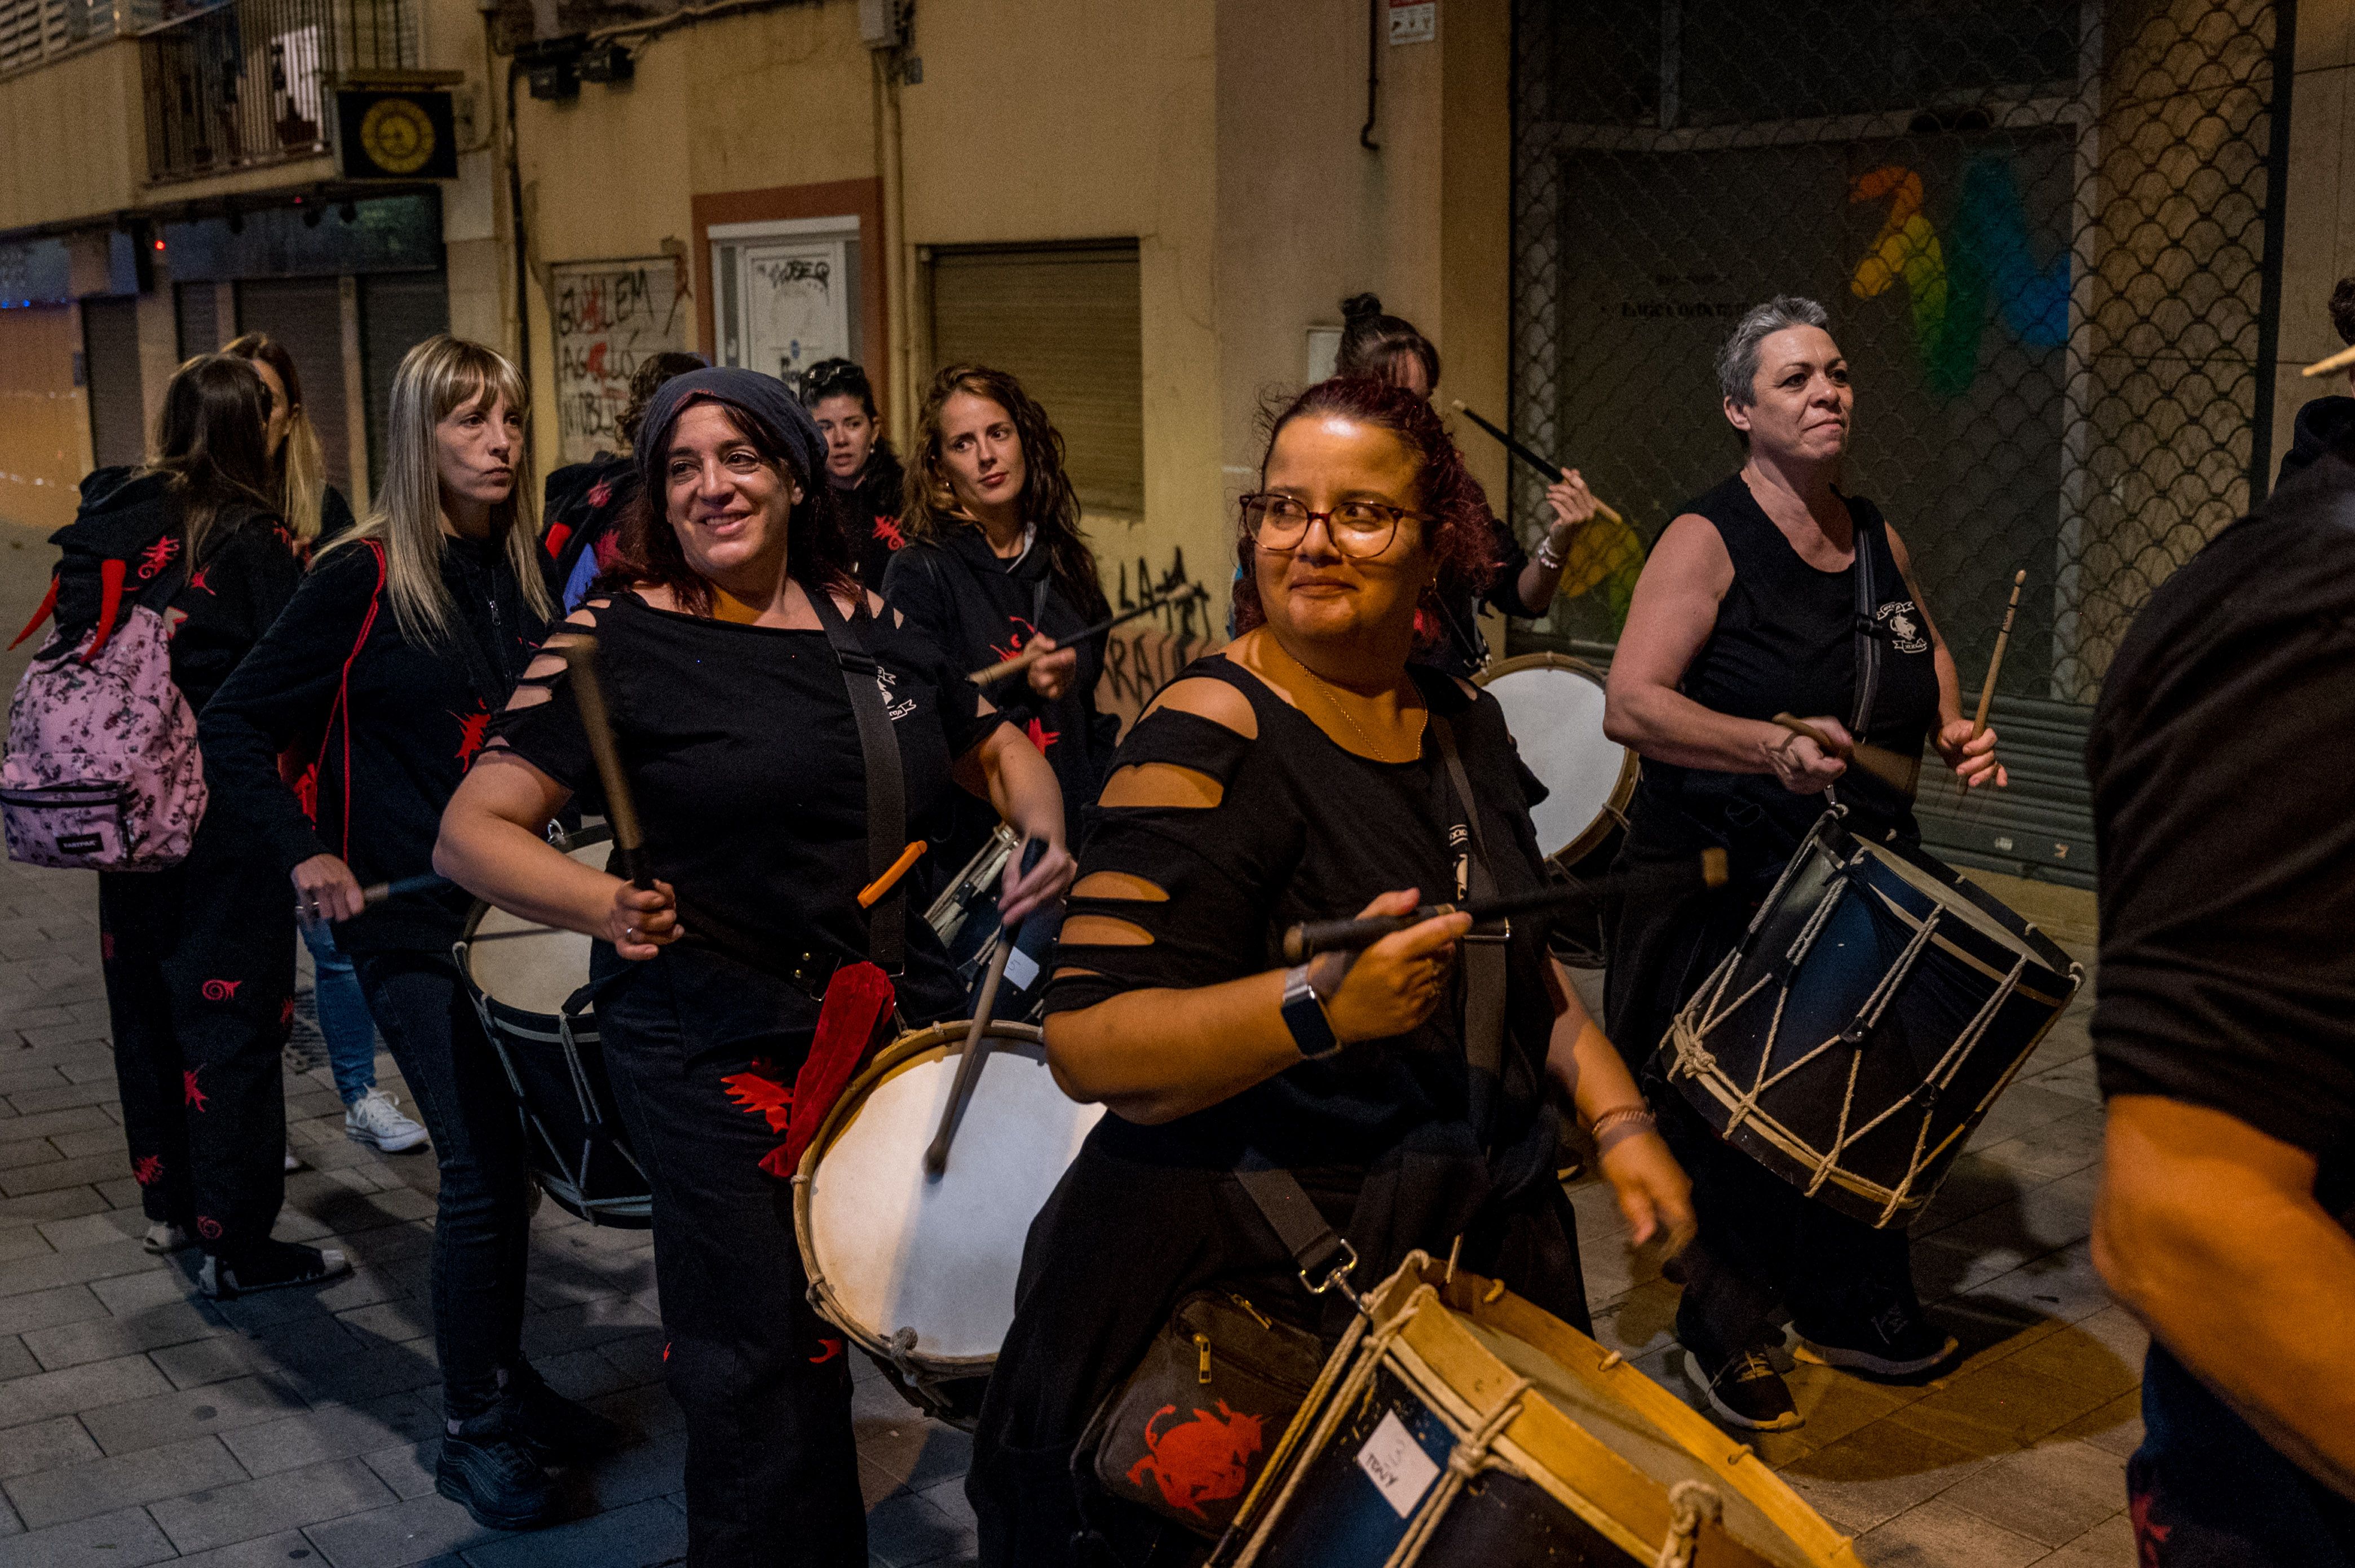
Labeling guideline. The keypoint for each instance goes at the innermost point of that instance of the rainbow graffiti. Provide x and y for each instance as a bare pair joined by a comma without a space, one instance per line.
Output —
1982,265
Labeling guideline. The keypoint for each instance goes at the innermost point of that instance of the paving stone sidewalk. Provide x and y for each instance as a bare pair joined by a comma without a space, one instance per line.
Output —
140,1424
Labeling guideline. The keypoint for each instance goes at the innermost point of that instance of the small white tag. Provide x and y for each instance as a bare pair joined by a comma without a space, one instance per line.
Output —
1021,969
1401,1471
1413,21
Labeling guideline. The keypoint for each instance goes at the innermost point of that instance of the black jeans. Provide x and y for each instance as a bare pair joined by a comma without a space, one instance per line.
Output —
772,1469
2206,1492
482,1232
199,966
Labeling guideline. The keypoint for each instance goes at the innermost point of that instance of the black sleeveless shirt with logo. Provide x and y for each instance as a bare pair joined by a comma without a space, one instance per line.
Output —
1785,643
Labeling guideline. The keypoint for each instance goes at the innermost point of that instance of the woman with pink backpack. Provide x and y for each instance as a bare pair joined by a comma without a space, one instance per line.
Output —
171,572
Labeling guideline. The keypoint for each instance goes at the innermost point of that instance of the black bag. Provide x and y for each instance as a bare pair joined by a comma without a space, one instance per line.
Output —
1193,1426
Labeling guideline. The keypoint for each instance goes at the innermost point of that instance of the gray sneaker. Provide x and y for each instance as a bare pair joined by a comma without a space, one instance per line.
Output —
163,1237
375,1119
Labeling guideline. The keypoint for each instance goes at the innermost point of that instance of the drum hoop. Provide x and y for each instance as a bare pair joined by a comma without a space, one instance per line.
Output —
1953,951
899,1054
1614,809
566,844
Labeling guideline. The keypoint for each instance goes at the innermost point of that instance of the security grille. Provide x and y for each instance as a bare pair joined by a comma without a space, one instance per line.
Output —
2047,231
233,85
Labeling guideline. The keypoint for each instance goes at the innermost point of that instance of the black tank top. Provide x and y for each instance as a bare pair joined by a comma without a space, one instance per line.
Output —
1785,643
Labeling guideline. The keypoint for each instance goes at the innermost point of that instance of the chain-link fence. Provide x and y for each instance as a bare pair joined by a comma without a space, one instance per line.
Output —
2047,230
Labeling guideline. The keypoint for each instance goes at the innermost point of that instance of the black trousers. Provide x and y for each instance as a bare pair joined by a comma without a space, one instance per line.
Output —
481,1222
199,966
772,1469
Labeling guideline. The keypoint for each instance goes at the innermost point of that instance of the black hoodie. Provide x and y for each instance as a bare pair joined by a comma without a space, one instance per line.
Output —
871,512
218,612
2327,424
410,722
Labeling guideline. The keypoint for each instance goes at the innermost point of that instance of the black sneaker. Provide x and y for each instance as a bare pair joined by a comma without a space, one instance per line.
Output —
1892,1342
557,1428
1745,1388
489,1470
271,1266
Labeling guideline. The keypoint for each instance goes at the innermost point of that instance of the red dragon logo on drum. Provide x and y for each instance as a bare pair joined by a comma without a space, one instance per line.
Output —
1207,1459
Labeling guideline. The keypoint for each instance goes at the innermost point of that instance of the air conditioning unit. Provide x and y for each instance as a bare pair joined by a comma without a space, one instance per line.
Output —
882,24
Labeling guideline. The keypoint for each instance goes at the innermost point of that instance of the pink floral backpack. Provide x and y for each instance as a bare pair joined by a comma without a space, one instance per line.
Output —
103,771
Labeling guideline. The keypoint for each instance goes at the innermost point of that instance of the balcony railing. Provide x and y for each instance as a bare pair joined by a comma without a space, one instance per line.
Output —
244,83
33,32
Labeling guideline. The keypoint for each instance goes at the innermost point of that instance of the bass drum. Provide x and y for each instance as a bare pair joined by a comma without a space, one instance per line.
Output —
1553,705
522,978
918,1270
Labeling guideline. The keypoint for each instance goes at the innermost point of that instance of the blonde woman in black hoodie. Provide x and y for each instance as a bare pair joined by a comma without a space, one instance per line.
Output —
400,644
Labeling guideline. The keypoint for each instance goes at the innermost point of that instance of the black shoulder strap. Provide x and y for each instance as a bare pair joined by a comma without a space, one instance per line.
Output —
1864,527
887,791
1322,1257
1484,952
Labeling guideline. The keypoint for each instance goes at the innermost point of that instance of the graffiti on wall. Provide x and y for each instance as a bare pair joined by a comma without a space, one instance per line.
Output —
1144,655
609,316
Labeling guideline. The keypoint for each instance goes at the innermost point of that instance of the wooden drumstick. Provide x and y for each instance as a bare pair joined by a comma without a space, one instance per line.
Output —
1551,469
976,1038
1995,662
597,724
1030,656
2340,360
1899,773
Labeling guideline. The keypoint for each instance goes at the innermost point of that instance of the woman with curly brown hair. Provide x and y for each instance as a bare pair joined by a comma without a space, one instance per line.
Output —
1305,771
994,560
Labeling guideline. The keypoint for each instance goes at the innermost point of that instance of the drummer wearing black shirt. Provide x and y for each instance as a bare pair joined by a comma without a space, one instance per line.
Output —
1300,773
726,639
2223,1033
1747,609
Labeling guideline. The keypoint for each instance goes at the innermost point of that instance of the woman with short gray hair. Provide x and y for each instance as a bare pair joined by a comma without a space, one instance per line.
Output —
1748,608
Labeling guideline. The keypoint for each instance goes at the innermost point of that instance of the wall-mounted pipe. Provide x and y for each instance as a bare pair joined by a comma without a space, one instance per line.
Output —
1373,74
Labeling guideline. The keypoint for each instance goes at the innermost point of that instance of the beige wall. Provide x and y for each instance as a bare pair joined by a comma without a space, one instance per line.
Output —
75,135
45,417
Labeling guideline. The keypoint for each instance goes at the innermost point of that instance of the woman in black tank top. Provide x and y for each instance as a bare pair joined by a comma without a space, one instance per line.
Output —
1750,608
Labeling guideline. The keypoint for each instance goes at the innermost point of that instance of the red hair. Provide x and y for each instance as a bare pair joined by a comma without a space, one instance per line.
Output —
1458,531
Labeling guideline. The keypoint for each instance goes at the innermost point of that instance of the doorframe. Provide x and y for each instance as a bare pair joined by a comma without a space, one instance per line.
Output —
822,202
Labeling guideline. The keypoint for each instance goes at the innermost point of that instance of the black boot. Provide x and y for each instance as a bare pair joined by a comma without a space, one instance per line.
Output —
489,1468
557,1429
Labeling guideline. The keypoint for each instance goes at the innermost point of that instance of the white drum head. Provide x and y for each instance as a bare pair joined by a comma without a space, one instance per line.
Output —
1555,712
528,967
898,1249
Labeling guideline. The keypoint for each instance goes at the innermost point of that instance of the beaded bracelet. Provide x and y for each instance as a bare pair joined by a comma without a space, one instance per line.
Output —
1635,1116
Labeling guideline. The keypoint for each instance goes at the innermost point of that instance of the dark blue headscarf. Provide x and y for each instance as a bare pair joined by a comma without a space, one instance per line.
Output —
763,399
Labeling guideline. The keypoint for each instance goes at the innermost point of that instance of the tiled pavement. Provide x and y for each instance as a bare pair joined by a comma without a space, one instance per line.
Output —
139,1423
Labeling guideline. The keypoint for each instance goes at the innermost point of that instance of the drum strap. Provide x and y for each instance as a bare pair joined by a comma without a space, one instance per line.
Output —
1321,1256
1484,952
887,790
1868,630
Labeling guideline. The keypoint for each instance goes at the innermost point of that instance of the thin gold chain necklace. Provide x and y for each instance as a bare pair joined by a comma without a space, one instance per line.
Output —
1325,689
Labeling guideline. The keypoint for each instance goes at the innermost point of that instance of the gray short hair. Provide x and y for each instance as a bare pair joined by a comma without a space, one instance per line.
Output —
1737,362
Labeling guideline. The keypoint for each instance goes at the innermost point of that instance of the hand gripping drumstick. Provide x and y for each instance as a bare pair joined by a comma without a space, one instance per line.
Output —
1545,466
1709,869
976,1042
621,809
1995,663
1900,773
1024,660
375,893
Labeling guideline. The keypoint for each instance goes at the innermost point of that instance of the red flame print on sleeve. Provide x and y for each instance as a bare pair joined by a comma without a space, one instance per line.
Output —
758,1094
194,1096
157,557
474,729
196,579
887,530
147,1169
1041,736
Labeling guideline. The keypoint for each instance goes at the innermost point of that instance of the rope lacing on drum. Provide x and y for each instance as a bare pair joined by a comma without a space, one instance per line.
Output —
1692,1057
1465,1463
1691,1504
1866,1018
1941,1076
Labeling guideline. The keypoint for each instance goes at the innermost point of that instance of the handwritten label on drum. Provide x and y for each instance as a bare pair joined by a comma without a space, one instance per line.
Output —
1021,969
1400,1471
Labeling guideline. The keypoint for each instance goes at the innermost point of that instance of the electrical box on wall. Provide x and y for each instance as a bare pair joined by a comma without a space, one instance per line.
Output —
882,24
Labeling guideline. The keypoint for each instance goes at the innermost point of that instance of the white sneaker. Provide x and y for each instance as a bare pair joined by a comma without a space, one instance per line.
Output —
294,1160
163,1237
373,1118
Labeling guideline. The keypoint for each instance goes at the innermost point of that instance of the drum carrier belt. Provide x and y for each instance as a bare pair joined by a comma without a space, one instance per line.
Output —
887,790
1868,631
1483,952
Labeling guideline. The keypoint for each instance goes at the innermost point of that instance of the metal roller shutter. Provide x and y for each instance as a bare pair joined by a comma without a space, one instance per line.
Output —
306,316
398,311
1069,322
195,309
118,418
2040,825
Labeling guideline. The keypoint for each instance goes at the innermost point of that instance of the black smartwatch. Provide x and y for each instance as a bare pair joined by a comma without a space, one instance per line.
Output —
1303,1014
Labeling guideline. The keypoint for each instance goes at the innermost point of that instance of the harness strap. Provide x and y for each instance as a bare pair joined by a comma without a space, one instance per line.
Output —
1484,952
887,788
341,707
1320,1253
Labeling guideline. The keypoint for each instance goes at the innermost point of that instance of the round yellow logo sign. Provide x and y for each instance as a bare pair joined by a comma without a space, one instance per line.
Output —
396,135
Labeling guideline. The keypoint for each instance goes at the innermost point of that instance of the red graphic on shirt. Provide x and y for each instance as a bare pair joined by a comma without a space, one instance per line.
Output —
666,1349
147,1169
472,730
220,990
826,1351
603,491
193,1094
105,946
1041,736
887,530
209,1228
1023,633
558,533
1207,1459
756,1093
2149,1535
285,1012
197,579
306,792
157,557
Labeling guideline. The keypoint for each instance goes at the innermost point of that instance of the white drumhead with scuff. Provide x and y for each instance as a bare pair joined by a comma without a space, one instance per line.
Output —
900,1250
1556,715
530,967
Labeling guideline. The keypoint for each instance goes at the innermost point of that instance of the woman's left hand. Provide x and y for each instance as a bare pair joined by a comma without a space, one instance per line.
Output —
1573,504
1974,761
1653,1190
1051,677
1048,880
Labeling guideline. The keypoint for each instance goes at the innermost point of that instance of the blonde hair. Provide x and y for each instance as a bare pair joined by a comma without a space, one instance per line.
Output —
301,462
436,378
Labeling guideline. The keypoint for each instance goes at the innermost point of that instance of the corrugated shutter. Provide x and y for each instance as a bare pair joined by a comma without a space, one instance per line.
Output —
196,310
2040,825
306,316
398,311
1069,322
118,418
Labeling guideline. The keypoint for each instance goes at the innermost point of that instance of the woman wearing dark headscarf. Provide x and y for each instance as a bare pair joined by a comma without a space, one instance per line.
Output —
738,652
